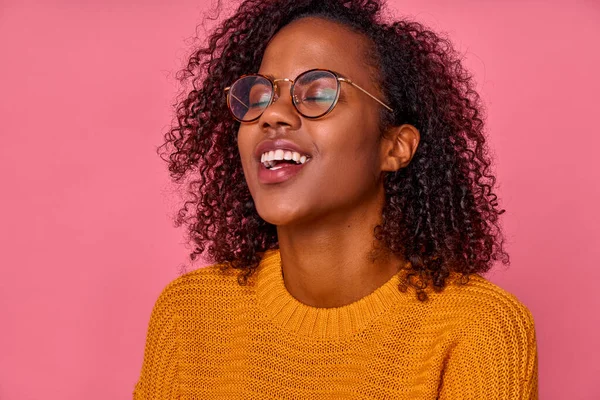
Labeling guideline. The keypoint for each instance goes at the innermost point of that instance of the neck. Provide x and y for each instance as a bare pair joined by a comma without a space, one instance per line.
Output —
332,262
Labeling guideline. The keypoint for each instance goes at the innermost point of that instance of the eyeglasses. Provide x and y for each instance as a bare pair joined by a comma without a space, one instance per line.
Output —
314,94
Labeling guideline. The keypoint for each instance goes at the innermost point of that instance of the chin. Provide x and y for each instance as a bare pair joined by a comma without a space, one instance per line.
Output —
280,214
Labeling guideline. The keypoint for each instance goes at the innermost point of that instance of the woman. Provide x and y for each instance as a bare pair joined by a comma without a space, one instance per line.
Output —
341,185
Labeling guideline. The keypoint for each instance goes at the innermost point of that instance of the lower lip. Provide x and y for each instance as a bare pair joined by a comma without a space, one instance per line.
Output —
288,171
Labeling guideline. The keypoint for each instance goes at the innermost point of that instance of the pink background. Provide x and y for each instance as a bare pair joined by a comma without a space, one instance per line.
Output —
87,241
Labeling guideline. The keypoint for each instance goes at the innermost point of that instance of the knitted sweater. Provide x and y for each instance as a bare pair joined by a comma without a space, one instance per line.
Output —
210,338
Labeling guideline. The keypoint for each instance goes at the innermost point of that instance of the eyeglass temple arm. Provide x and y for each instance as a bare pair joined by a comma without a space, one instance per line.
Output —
365,92
232,95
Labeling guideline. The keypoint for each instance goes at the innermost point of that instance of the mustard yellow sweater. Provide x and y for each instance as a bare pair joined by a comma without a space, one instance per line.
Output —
210,338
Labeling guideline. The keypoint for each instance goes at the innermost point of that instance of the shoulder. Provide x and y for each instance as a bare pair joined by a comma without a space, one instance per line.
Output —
494,351
202,285
203,277
486,310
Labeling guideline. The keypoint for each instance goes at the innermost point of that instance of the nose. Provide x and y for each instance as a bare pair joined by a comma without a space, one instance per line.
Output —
281,112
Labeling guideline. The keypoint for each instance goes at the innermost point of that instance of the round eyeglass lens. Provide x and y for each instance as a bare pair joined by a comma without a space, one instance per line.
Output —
249,96
315,93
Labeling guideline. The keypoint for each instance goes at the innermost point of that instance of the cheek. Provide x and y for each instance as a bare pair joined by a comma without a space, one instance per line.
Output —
245,153
353,148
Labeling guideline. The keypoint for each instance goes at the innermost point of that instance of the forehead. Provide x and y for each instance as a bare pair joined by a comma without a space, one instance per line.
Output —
316,43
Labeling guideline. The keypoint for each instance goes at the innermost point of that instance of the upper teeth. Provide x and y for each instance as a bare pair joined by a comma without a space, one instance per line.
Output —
279,154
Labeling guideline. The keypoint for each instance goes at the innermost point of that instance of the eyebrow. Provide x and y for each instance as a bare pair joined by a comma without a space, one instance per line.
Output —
271,76
319,74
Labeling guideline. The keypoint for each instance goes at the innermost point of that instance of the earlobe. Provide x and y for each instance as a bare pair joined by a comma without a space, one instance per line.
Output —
399,145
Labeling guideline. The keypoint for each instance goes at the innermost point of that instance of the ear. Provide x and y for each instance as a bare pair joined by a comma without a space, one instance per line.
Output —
398,146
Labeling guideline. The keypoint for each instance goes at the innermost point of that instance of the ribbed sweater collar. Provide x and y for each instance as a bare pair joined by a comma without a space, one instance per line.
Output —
319,323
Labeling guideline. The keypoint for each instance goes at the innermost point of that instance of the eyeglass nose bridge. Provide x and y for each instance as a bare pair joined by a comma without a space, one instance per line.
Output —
276,94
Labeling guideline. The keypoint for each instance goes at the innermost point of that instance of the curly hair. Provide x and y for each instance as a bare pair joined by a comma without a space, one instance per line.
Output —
440,214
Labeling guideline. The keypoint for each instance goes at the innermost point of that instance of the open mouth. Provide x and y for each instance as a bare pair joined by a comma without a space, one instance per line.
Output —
277,159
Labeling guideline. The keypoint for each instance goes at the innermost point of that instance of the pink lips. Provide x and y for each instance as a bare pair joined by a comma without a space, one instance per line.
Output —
280,175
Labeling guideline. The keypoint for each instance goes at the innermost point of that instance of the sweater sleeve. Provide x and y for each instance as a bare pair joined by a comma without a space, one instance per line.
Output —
495,357
158,377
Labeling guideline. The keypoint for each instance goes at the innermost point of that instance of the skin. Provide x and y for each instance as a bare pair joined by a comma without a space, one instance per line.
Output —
325,215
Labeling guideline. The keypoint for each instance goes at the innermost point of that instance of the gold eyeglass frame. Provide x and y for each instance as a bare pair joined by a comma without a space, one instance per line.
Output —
275,89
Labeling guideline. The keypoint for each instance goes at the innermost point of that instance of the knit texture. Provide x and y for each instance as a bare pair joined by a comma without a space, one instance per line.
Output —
210,338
